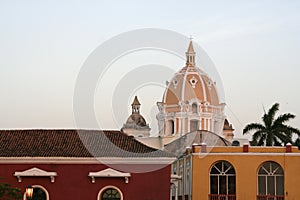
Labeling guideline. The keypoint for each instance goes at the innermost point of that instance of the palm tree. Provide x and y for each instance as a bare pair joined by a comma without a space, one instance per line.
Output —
273,131
297,143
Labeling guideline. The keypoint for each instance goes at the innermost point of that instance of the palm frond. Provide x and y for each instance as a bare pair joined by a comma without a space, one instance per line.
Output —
272,111
293,130
297,142
269,139
283,137
266,120
269,117
253,126
288,130
261,141
284,118
257,135
276,142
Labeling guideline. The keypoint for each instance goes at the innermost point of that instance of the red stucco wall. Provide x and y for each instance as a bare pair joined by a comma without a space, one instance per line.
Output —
73,182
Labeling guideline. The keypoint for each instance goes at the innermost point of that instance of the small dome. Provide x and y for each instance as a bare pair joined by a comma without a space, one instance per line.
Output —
136,119
136,124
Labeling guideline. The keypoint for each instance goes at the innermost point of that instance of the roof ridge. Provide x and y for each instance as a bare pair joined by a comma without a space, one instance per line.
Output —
73,143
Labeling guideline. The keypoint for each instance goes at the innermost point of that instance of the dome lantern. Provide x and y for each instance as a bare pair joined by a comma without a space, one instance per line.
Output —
136,105
190,55
136,124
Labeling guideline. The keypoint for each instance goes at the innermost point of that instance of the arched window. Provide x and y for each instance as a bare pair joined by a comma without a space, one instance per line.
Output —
39,193
270,181
170,129
194,125
222,181
194,108
110,193
173,190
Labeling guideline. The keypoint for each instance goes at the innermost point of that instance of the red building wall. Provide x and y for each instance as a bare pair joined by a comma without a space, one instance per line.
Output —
72,181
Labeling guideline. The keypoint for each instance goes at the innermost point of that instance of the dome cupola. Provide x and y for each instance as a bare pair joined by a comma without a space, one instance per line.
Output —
190,102
190,55
136,124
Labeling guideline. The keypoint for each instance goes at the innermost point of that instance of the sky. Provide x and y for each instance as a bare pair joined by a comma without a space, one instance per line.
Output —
254,45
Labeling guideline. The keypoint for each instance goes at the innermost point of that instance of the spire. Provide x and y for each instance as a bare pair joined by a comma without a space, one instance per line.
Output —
135,101
190,55
191,47
135,105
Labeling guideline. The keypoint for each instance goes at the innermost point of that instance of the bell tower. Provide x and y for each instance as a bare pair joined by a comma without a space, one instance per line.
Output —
190,55
136,124
135,106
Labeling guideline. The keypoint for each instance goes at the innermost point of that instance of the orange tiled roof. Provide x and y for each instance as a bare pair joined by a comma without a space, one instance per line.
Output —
73,143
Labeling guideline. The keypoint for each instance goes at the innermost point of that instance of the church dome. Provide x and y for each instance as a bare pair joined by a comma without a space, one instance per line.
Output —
190,102
136,119
191,83
136,124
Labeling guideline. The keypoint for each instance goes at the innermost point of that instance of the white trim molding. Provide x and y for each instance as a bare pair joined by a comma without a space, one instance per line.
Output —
35,172
90,160
175,177
109,173
246,154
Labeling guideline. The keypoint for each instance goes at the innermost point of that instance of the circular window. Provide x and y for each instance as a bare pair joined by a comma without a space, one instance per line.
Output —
110,194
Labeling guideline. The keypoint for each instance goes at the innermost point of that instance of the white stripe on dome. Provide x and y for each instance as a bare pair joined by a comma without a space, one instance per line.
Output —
203,88
183,84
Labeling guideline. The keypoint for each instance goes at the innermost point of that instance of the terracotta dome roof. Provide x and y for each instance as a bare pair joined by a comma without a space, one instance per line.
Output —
136,119
191,82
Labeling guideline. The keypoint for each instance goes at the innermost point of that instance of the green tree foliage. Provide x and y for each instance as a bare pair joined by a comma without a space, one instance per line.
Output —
7,192
273,131
297,142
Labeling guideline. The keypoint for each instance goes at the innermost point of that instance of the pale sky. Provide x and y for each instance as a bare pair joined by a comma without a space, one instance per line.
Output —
254,45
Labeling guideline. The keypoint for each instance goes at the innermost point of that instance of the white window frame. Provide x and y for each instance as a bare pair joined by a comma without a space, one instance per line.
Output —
108,187
42,188
271,173
222,173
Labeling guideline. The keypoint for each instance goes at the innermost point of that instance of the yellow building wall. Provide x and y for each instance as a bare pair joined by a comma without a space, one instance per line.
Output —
292,177
246,166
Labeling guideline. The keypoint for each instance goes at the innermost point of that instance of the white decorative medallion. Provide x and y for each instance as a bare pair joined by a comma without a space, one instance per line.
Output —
193,81
175,83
